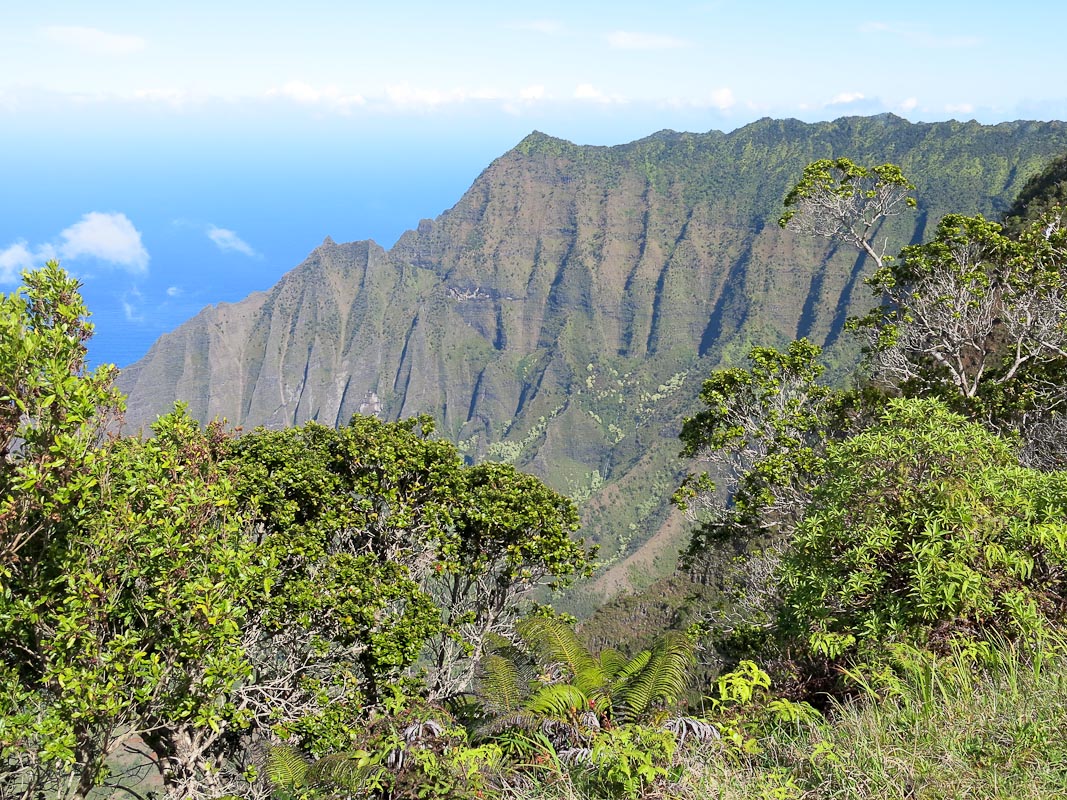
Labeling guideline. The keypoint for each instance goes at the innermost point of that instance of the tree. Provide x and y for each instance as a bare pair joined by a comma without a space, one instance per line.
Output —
759,432
125,573
975,316
53,410
470,543
512,535
979,319
843,201
925,530
759,441
129,625
197,595
904,520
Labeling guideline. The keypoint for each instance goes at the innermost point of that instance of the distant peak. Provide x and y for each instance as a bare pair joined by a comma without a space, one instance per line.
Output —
541,142
328,242
538,136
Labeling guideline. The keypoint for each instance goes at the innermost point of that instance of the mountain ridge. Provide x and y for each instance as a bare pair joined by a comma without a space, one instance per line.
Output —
562,313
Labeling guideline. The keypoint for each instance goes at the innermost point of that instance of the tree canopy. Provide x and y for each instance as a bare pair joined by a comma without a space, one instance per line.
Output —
925,527
199,594
844,201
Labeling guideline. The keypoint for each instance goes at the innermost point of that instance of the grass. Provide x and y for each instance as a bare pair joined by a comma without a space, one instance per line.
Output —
944,730
932,730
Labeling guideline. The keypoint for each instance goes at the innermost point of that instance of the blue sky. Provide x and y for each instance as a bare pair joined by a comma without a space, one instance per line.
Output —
175,155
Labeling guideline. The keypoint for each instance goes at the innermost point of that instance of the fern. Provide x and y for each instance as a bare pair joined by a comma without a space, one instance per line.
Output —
560,700
663,679
612,662
287,767
554,640
501,683
602,685
632,667
354,770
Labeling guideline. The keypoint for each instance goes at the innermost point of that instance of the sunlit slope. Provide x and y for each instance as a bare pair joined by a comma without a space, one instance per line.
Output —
562,314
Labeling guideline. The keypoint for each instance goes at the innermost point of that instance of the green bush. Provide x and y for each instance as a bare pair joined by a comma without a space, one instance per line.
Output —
926,530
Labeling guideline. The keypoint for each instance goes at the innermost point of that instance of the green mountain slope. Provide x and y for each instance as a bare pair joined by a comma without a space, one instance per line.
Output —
563,313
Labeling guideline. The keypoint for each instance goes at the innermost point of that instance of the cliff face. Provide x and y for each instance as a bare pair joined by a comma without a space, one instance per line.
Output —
563,313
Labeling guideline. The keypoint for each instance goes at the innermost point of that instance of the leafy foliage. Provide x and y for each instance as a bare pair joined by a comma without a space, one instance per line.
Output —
761,429
841,200
979,319
198,593
52,412
925,529
388,544
408,755
859,543
131,622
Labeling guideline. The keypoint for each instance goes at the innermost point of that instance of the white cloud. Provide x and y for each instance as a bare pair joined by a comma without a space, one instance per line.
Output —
527,97
722,99
910,104
229,242
719,98
131,305
308,95
844,98
588,92
108,237
960,108
94,41
175,98
401,96
532,93
408,97
14,260
174,291
921,37
630,40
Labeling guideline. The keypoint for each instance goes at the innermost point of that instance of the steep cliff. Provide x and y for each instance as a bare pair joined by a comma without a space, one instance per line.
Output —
562,314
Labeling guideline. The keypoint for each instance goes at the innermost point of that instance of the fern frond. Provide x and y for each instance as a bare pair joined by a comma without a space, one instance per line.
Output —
632,667
286,767
523,660
520,720
554,641
349,770
559,700
663,679
592,680
500,684
612,662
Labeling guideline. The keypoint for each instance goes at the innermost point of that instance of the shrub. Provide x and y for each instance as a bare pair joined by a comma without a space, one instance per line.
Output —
926,530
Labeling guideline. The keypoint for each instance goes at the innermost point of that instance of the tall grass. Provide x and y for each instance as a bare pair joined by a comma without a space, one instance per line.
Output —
994,726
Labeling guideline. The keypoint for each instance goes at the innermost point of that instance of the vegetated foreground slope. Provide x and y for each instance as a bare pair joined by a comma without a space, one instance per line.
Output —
563,313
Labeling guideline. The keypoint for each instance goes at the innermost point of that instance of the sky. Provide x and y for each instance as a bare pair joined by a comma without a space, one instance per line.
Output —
175,155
